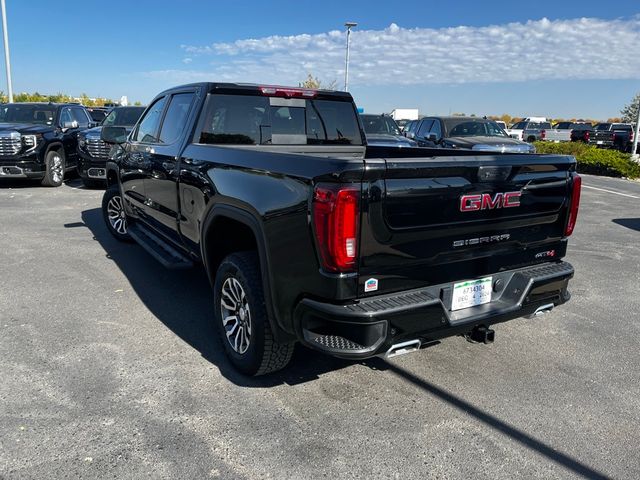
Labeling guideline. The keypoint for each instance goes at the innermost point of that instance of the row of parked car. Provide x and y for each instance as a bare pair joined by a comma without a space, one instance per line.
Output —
483,134
46,141
472,133
606,135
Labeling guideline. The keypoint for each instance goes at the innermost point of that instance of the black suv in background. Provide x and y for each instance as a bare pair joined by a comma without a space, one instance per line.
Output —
383,130
38,140
93,152
471,133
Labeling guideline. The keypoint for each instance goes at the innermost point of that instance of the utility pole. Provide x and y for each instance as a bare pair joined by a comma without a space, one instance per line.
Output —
6,49
349,26
634,148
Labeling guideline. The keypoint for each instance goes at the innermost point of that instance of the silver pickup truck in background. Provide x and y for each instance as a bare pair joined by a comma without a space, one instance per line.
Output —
529,131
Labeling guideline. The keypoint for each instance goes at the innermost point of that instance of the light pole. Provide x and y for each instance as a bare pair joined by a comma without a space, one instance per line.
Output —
6,50
634,149
349,26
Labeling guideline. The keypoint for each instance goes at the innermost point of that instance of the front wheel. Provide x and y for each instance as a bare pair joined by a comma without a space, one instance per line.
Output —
241,317
114,214
54,169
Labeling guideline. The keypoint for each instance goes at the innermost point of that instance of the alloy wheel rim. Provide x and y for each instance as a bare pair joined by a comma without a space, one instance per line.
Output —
117,217
57,170
236,315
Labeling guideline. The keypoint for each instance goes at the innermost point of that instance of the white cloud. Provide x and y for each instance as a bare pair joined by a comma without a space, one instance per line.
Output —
585,48
187,60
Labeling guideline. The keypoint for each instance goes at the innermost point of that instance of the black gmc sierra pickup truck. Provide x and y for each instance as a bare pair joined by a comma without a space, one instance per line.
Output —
93,152
308,235
39,140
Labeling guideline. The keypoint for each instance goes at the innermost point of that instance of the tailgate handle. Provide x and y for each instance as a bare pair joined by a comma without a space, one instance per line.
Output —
494,173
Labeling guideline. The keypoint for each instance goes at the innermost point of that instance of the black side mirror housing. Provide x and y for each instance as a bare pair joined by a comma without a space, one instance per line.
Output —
432,137
113,135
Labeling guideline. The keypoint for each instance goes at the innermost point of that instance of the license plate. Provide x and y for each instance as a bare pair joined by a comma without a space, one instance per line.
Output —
599,142
471,293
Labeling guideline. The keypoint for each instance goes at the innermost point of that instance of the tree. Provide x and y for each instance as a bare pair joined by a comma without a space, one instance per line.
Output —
316,84
630,112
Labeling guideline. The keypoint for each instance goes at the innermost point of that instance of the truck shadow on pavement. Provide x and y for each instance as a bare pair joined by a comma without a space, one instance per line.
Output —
191,318
515,434
632,223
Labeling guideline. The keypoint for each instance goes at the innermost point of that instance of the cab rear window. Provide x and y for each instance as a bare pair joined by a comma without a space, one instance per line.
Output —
263,120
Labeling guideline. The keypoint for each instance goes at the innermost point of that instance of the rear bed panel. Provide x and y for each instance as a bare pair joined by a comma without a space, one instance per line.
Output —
414,234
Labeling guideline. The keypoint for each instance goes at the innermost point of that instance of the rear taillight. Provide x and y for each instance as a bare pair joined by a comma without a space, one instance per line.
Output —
543,134
336,215
587,136
573,206
631,136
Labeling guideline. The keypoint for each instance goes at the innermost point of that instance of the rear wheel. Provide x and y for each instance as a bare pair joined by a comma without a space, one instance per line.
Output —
54,169
114,214
241,317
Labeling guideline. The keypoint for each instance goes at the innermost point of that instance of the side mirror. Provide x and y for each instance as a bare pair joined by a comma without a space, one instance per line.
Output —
113,135
69,125
432,137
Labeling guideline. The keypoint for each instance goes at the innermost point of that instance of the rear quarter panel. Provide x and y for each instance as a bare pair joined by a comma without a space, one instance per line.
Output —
276,190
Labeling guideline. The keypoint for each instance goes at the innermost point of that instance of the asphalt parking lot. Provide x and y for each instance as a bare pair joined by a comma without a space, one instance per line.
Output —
110,368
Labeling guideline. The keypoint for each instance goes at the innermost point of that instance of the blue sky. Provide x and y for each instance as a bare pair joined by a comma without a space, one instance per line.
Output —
474,57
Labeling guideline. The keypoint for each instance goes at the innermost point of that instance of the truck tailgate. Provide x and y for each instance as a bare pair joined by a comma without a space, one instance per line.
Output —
434,220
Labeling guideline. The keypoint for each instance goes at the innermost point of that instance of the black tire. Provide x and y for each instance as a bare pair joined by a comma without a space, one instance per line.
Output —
54,169
262,354
113,214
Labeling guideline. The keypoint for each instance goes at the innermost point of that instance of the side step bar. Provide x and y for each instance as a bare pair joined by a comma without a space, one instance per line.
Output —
167,255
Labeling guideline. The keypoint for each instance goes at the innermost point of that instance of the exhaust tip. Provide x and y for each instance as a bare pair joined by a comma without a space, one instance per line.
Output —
543,309
403,348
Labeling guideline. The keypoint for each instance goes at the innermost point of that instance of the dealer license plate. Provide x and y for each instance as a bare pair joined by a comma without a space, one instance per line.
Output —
471,293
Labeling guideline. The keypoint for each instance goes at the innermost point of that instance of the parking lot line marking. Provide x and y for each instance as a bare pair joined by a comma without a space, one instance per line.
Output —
610,191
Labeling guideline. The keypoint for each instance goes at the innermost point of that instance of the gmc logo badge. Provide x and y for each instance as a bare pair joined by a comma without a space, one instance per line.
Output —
471,203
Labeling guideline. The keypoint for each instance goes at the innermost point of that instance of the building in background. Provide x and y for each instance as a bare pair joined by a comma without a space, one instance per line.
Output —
405,114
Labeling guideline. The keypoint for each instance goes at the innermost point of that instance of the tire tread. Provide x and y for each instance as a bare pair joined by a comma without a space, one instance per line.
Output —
275,355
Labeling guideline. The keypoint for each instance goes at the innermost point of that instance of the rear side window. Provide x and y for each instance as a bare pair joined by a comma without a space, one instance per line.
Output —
261,120
148,128
519,126
176,117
